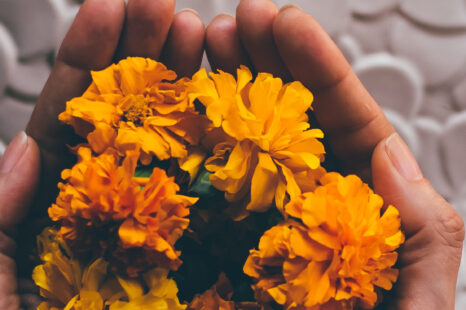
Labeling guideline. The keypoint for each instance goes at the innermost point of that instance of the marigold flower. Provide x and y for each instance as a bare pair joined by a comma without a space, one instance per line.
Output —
136,104
146,213
268,140
160,293
335,252
64,283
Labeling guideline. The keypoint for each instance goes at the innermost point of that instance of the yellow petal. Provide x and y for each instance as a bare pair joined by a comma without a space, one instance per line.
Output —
263,92
295,101
232,177
70,305
102,137
193,162
291,186
305,247
88,300
94,275
325,238
263,184
130,234
244,77
104,80
132,288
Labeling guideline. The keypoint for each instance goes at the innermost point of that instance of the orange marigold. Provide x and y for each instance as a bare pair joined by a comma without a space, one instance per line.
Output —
333,254
136,104
144,212
267,141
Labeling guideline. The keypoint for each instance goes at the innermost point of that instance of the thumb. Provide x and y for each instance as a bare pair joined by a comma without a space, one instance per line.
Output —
430,257
19,173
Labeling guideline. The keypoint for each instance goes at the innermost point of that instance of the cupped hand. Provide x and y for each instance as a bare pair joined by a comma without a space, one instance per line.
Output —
103,32
289,43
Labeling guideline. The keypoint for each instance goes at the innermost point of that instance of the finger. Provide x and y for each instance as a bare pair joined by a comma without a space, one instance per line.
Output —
431,255
9,299
254,20
19,172
351,119
223,47
185,44
89,45
91,41
146,28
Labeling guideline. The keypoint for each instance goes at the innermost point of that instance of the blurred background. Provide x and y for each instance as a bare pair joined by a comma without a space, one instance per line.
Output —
410,54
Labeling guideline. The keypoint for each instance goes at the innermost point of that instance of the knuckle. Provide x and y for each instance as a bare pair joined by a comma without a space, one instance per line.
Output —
450,226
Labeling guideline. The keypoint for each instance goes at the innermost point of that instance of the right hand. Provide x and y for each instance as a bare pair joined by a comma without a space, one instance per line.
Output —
291,44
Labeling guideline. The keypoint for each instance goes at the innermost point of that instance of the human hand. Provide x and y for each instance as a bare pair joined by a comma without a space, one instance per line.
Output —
103,32
289,43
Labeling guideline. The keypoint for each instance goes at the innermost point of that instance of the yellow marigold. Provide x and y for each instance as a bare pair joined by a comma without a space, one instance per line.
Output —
268,141
99,195
160,293
64,283
136,104
337,250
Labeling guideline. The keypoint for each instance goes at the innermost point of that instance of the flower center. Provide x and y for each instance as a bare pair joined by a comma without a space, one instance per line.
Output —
136,110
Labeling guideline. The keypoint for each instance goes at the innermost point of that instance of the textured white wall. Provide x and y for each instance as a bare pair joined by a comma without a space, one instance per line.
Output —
410,54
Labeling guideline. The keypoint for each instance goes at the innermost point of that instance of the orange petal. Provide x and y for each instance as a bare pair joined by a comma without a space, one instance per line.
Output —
130,234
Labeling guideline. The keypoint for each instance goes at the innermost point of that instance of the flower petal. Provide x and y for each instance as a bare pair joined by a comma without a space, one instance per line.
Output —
263,184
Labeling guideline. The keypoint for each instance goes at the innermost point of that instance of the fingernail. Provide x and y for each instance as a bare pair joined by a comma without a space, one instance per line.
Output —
289,6
402,158
192,11
13,152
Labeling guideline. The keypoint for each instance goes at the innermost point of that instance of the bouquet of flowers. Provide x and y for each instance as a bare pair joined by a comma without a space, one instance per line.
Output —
208,193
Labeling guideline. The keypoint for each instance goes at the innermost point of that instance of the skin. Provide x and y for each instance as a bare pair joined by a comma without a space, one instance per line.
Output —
288,43
291,44
103,32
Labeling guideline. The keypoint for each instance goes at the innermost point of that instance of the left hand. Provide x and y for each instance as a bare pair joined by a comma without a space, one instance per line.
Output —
103,32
